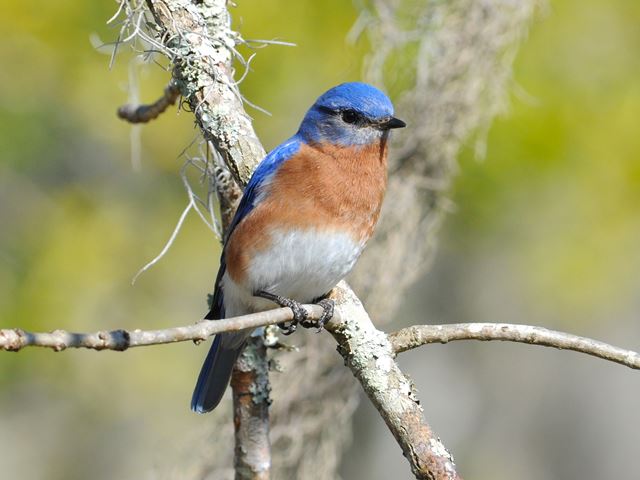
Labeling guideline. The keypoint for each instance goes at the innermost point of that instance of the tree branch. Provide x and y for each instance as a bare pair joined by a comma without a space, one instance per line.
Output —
415,336
199,37
368,353
408,338
58,340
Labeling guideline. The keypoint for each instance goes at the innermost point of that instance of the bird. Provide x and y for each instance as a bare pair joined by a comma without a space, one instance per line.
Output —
304,218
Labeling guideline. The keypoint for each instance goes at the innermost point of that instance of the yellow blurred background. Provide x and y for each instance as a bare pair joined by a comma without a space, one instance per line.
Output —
546,231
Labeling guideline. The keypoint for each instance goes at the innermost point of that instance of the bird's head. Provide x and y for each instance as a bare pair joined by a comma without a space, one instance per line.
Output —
348,115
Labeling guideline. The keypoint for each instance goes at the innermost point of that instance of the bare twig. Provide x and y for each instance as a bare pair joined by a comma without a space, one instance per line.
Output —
415,336
401,341
146,113
58,340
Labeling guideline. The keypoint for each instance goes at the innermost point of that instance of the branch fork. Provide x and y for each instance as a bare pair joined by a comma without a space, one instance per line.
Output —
368,352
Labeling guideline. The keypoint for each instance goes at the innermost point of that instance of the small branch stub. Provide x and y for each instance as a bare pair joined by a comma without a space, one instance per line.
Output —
146,113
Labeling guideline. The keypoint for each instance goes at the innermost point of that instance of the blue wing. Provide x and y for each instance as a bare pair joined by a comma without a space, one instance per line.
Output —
265,169
216,370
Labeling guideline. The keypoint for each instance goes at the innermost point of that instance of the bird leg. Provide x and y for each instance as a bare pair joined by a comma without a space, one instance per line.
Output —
299,313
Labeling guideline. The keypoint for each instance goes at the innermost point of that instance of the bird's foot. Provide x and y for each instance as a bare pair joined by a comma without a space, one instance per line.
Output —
299,313
328,306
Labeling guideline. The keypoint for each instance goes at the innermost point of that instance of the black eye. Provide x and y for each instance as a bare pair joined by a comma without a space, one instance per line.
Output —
349,116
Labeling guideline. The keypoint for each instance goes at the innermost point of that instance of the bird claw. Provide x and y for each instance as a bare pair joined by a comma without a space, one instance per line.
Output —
328,306
300,316
299,313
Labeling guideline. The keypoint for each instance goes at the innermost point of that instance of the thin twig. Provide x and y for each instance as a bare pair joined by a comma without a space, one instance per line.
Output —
417,335
117,14
194,200
58,340
249,42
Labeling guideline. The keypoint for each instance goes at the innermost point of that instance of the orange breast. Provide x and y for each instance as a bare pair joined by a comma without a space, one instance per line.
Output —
322,187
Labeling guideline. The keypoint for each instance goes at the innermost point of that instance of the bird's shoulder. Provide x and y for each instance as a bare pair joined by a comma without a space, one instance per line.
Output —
261,176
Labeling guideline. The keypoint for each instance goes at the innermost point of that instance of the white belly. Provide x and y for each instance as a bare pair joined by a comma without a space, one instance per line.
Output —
301,265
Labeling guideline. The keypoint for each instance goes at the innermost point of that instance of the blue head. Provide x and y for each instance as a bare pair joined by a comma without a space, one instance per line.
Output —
350,114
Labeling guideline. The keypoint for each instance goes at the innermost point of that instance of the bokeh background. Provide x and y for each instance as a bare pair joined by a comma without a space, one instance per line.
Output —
545,231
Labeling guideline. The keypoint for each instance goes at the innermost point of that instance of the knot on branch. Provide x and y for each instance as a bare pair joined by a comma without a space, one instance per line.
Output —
118,340
13,340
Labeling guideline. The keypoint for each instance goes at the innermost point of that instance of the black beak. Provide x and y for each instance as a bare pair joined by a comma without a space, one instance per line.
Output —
394,122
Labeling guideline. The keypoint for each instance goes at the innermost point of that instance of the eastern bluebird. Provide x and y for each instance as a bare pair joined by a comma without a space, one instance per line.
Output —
304,218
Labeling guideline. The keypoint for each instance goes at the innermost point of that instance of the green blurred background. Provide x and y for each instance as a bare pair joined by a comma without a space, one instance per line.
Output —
546,231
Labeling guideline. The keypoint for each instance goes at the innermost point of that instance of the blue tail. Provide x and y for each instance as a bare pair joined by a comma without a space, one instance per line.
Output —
214,376
216,370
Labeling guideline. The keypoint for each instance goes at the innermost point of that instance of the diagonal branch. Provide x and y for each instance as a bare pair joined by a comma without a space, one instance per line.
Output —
200,38
369,354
